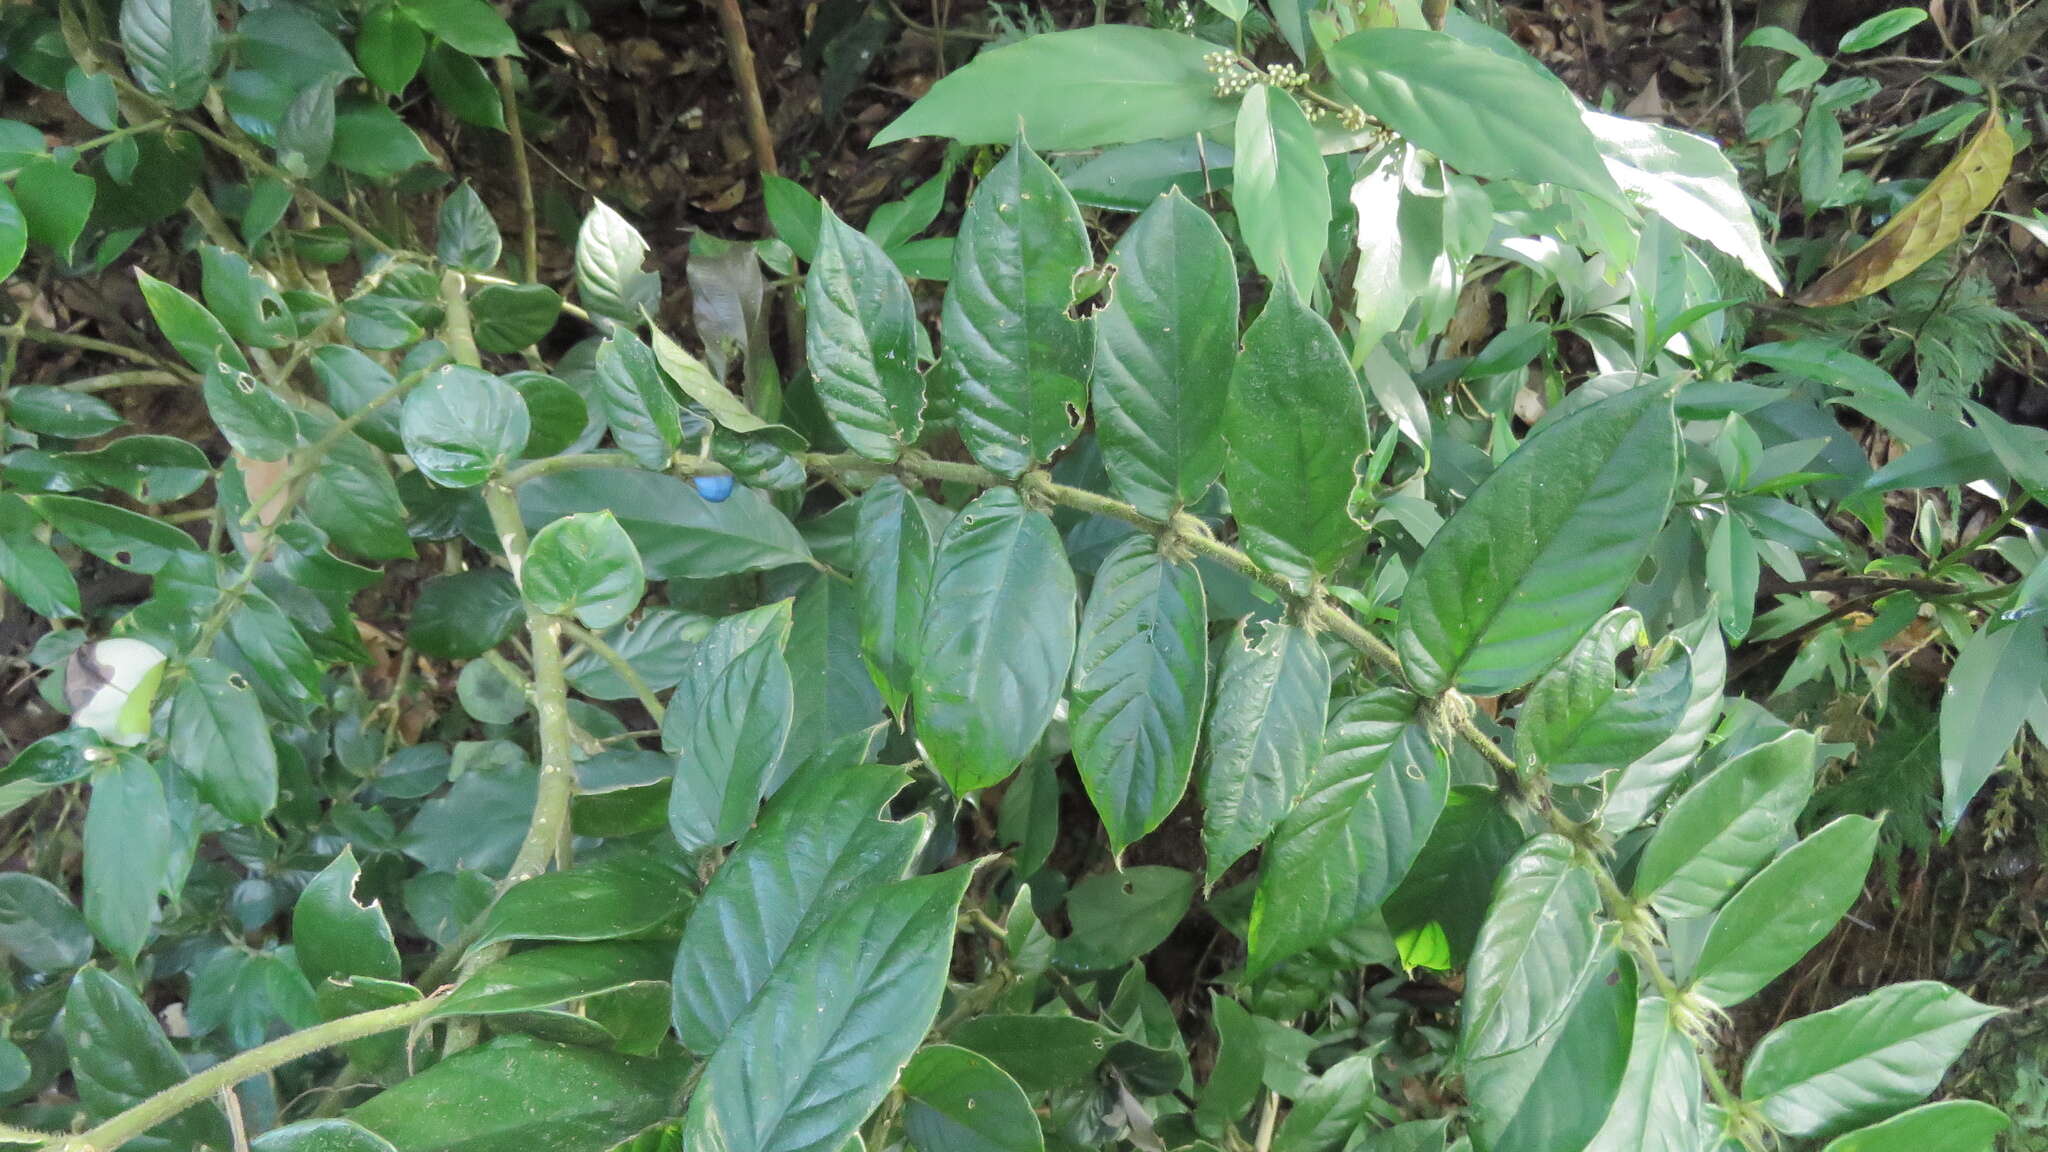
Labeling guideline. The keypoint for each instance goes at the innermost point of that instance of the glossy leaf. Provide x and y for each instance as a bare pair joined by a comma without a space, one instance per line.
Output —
1577,724
1784,911
1264,737
519,1093
1424,84
1119,916
815,847
1860,1061
555,974
1558,1090
39,926
1281,189
1041,1053
461,425
197,334
128,851
119,1058
335,936
221,738
861,336
586,566
1536,948
895,548
831,1029
1084,88
1140,682
1016,356
997,641
1295,425
646,420
170,47
677,532
1659,1107
1164,344
1375,796
321,1136
1996,680
1726,827
467,237
624,895
729,718
1638,789
1542,548
959,1101
1952,1125
610,275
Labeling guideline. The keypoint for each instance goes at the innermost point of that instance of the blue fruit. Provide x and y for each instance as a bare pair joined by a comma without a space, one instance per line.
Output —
713,488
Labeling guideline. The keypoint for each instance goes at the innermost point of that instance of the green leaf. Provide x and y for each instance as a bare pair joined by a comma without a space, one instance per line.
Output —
1295,425
1557,1091
47,410
1951,1125
171,46
1237,1074
33,572
1164,344
1860,1061
829,1032
13,233
1820,157
555,974
997,641
1331,1107
1264,736
470,26
390,48
1994,685
38,925
1726,827
645,418
626,894
320,1136
253,418
1281,189
1689,182
701,387
1109,84
1424,86
678,533
56,201
1659,1107
1545,545
466,614
460,85
835,698
818,845
220,737
1140,682
513,317
1578,725
127,540
959,1101
727,724
1539,943
198,337
119,1058
795,213
610,273
1375,796
584,565
1784,911
1041,1053
334,936
519,1093
128,851
371,140
1641,786
461,425
251,309
1119,916
467,237
1016,356
1881,29
895,547
862,337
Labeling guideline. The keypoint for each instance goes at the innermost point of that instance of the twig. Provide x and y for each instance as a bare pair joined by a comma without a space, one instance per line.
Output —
741,55
529,221
620,666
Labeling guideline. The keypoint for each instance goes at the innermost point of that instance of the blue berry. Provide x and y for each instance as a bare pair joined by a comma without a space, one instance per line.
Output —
713,488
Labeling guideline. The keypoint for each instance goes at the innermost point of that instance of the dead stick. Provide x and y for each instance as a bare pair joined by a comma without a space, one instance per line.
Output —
742,57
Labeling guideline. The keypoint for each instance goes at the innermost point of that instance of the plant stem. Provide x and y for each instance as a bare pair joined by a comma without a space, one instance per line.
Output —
548,464
529,220
137,1121
619,665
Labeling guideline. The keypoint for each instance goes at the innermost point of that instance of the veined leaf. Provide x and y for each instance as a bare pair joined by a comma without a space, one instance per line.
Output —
120,1057
1658,1108
1369,808
1933,221
1725,827
1558,1090
1784,911
726,724
1017,359
1862,1060
1951,1125
895,544
1265,735
998,639
817,846
1163,349
1641,786
171,45
861,338
1995,683
220,737
1281,189
1577,724
333,935
1295,425
835,1024
959,1101
1539,942
610,275
1544,546
1140,682
1109,84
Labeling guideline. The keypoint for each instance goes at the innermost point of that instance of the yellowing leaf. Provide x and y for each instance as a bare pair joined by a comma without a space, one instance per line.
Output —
1924,227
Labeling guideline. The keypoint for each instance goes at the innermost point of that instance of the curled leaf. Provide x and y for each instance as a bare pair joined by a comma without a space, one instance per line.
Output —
1933,221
